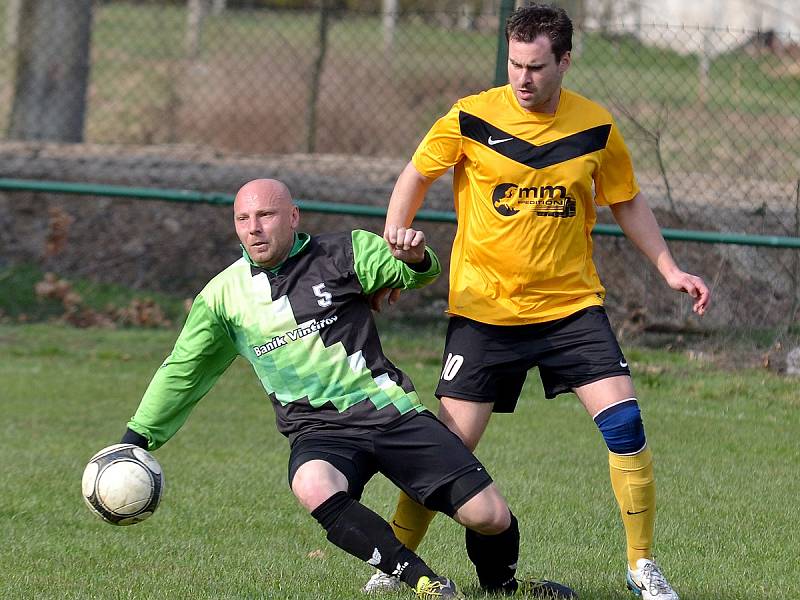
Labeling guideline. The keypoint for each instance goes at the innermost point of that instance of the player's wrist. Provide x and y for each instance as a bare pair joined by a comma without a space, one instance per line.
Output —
422,265
137,439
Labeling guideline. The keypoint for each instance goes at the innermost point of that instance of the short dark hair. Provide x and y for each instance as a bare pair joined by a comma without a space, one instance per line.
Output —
529,22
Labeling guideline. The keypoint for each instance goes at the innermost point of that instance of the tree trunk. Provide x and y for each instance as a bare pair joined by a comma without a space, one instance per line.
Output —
218,7
389,9
195,15
52,73
12,23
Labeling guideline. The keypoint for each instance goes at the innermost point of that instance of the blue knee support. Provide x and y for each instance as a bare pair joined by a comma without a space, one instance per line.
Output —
622,428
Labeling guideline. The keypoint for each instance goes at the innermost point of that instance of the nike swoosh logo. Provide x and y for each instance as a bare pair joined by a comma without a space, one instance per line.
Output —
493,142
638,512
395,524
639,586
623,363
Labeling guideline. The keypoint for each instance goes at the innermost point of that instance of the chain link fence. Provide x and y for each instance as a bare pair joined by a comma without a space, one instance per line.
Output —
334,98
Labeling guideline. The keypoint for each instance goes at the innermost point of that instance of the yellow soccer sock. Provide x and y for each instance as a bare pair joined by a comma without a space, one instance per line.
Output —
634,486
410,522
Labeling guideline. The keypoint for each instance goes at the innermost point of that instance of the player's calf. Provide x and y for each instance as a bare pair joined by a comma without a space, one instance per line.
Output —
359,531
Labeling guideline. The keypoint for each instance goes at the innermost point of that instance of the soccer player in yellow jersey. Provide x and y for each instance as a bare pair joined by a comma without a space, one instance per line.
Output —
531,159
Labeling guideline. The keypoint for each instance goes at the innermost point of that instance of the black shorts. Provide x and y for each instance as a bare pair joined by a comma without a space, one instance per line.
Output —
489,363
419,455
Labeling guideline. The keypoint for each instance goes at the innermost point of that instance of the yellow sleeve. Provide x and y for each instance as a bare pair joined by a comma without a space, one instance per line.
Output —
440,149
614,180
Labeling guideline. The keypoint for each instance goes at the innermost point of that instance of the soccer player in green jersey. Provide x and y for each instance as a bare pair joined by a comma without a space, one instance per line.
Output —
530,161
296,307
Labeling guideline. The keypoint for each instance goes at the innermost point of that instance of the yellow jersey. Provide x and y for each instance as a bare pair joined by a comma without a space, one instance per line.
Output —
525,185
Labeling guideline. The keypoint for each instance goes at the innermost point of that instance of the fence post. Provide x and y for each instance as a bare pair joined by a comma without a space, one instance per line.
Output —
195,15
316,76
500,71
389,8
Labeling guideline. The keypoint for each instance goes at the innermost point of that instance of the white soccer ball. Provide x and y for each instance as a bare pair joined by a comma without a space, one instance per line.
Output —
122,484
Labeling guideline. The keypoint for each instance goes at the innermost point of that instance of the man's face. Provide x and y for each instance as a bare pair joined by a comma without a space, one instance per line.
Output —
265,220
535,75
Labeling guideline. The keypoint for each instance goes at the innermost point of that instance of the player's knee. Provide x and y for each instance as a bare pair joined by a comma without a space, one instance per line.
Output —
487,512
622,427
315,482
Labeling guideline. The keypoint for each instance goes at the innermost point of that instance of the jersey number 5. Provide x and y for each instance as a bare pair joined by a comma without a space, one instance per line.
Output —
324,297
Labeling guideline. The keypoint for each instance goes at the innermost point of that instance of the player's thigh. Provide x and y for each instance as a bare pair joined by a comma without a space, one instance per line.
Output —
482,363
465,418
425,459
599,395
349,456
582,350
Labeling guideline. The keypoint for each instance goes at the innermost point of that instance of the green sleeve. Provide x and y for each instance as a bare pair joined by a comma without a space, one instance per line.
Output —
201,354
376,268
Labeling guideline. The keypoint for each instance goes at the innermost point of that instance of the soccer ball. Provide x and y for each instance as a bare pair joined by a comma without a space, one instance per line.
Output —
122,484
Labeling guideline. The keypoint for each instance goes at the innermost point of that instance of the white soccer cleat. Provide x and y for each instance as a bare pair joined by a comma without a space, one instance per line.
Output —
381,582
648,582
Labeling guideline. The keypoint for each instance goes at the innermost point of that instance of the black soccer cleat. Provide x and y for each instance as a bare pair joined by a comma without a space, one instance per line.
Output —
436,587
538,588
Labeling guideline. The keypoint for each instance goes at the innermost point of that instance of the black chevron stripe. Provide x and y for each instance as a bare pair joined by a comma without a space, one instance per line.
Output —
536,157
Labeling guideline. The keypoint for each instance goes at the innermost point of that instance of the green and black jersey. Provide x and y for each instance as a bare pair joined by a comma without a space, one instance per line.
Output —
307,329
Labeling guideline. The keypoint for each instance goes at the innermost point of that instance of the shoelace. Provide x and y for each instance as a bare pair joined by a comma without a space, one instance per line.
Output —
430,588
656,583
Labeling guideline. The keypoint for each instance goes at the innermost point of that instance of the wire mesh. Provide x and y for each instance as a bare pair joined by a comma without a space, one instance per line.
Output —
334,96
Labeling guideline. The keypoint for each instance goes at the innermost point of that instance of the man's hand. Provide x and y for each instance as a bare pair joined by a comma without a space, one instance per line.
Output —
405,243
376,298
692,285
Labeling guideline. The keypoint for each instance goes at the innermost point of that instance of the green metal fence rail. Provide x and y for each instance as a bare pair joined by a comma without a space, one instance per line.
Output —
190,196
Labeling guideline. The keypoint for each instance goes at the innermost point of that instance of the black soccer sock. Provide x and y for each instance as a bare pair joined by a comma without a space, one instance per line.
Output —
495,558
359,531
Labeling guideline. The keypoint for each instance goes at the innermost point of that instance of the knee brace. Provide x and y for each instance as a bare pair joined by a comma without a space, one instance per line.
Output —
622,427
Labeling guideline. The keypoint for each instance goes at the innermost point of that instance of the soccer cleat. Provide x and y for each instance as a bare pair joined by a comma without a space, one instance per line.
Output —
648,582
381,582
542,588
437,587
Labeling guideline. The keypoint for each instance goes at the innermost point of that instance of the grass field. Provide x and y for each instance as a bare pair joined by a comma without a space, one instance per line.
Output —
726,447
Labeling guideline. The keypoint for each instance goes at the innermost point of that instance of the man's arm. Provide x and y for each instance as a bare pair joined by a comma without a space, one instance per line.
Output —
639,224
377,265
407,198
202,352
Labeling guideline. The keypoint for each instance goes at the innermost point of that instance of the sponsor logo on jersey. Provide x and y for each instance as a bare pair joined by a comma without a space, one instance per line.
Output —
509,199
293,335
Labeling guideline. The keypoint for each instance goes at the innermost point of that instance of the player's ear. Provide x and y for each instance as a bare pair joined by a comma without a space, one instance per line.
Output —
565,62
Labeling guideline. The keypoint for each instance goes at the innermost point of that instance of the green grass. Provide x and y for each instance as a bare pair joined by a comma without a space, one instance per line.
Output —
228,527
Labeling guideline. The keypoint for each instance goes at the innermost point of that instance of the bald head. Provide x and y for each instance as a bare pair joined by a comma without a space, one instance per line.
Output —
266,219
